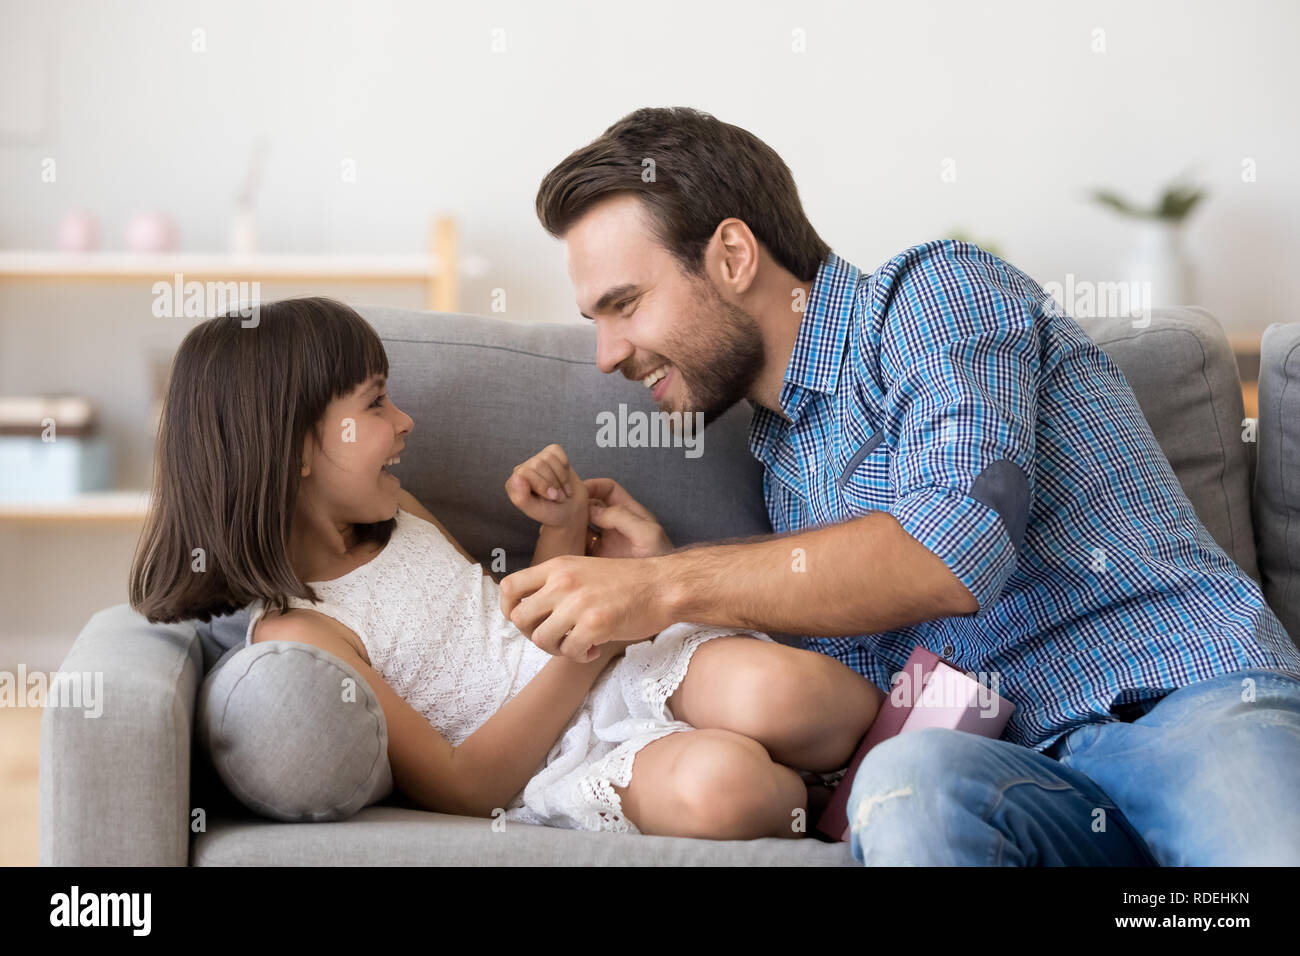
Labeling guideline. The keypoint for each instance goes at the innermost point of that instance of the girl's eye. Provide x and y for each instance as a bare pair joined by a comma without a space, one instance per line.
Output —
378,399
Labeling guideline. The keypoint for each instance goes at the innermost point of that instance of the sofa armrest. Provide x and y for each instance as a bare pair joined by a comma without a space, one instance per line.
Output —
114,788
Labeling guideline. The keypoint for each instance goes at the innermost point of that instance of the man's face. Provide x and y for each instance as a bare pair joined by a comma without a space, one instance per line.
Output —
653,320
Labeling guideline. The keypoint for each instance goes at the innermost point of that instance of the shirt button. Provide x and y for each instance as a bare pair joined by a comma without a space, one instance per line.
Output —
947,650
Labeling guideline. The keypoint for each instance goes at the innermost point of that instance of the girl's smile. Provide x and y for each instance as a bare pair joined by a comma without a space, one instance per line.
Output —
363,431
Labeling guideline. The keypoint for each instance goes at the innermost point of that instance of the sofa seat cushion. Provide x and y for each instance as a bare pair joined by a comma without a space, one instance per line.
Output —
387,835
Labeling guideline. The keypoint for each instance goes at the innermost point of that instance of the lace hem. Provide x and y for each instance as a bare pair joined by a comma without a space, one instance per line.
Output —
602,806
655,691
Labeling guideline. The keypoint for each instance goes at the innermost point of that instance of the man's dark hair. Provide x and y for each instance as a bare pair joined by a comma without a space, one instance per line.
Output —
704,171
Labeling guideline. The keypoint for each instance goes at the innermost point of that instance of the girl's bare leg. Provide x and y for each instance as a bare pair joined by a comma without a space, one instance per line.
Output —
808,710
713,785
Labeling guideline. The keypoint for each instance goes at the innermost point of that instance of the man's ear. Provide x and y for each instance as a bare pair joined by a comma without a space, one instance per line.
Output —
731,257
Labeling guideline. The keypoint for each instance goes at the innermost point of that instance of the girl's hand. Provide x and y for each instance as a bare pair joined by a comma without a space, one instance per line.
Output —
609,651
548,490
628,529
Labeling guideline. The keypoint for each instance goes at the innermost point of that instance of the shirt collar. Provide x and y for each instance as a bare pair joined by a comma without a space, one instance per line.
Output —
818,351
819,347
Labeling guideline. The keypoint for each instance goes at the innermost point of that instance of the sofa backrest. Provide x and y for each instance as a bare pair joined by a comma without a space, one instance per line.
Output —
1277,476
488,393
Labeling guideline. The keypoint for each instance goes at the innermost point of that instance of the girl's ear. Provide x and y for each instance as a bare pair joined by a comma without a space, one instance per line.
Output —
307,448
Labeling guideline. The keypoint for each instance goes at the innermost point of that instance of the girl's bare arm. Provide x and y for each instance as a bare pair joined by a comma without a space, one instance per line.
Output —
553,542
494,763
503,754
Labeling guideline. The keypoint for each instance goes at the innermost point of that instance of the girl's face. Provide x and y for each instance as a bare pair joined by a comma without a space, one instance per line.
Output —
346,474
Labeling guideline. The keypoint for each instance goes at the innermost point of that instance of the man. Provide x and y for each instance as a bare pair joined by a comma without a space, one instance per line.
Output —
951,462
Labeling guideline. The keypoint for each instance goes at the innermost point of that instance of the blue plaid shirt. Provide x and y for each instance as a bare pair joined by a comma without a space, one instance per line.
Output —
948,389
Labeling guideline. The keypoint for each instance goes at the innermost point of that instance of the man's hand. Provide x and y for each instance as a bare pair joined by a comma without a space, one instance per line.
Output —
570,604
628,529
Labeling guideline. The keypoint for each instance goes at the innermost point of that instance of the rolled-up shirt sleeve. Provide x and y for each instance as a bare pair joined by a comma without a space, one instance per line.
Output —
960,358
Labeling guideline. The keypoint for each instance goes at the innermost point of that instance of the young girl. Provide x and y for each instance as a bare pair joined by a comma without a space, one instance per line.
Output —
272,491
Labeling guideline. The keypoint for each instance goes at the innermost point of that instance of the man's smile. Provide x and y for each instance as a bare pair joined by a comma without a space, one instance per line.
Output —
657,381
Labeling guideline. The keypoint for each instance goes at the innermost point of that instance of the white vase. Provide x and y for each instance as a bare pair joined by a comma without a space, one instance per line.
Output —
1159,264
243,231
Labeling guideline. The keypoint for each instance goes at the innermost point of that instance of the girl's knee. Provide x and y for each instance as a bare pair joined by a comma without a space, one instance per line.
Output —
728,786
817,707
777,690
716,762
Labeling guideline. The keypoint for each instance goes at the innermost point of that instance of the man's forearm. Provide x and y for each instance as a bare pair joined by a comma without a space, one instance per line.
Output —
858,577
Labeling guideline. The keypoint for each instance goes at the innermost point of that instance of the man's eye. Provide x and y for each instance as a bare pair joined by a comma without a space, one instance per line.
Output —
625,303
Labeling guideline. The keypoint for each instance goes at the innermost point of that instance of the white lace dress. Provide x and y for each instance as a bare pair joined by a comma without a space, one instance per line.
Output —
432,626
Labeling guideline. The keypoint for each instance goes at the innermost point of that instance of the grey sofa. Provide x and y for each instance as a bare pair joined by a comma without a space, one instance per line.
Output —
197,728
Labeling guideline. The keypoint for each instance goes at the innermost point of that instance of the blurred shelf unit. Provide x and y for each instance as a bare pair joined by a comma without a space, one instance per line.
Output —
108,507
439,271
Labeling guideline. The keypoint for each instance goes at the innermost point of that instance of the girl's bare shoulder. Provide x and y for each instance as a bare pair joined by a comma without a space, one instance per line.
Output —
310,627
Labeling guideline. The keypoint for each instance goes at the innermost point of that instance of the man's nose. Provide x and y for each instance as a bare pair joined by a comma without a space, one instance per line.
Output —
611,350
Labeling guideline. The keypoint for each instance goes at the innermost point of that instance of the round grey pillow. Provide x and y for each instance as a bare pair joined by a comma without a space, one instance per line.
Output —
294,732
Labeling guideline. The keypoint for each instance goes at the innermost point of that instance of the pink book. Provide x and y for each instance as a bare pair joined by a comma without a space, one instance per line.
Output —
929,693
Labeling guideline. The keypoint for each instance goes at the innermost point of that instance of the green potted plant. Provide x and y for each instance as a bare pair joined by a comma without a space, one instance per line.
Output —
1158,256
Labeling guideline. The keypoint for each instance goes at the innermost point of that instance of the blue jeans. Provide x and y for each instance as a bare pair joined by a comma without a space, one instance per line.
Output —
1201,777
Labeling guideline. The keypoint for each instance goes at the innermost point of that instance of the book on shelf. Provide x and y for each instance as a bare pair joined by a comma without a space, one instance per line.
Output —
50,448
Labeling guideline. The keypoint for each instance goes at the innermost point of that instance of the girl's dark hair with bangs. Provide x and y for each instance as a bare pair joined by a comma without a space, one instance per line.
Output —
242,395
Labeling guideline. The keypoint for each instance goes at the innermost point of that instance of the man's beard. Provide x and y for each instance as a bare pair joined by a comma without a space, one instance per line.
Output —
728,341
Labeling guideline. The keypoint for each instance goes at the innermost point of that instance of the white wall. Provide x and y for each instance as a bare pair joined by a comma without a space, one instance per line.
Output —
435,120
